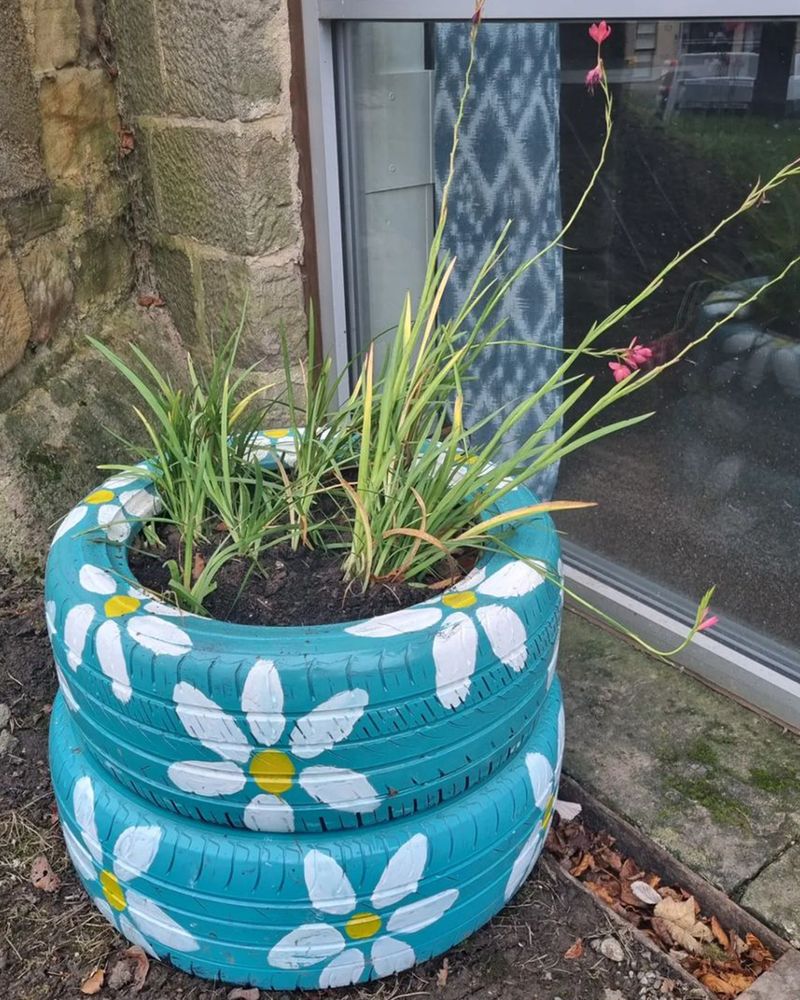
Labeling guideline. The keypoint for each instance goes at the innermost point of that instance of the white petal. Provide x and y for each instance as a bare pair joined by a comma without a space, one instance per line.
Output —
75,516
470,581
402,873
103,906
551,667
262,702
390,956
96,580
76,625
305,946
123,479
108,643
524,863
416,916
154,923
78,854
112,519
269,814
159,636
50,617
140,504
205,721
454,650
568,810
396,623
135,851
329,889
157,608
344,970
542,776
506,633
66,691
132,933
512,580
207,777
561,737
329,723
340,788
83,807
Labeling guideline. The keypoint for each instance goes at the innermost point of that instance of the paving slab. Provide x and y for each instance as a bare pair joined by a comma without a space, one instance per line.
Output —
715,784
774,896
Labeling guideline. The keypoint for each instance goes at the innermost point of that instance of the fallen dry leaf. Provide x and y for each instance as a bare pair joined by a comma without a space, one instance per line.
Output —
668,986
253,993
722,938
42,875
442,974
603,890
568,810
682,924
575,950
727,984
94,983
198,566
645,893
586,862
759,952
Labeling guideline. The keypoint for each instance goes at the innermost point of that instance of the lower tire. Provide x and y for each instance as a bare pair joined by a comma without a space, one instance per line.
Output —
283,911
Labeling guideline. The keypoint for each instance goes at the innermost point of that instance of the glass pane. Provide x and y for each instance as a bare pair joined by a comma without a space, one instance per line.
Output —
707,490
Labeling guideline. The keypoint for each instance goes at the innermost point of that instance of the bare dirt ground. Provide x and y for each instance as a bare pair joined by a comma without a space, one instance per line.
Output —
51,942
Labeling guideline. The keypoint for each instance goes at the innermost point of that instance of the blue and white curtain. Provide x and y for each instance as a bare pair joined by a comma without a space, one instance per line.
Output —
508,168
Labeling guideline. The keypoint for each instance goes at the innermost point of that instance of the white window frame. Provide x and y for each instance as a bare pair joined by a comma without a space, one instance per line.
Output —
762,674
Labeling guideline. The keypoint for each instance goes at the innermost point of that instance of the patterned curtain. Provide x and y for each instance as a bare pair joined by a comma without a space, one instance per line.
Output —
508,168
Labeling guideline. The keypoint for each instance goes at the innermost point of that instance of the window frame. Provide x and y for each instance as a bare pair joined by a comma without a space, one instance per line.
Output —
750,667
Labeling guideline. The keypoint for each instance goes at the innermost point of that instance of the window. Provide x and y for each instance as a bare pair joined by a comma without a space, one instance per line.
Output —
708,491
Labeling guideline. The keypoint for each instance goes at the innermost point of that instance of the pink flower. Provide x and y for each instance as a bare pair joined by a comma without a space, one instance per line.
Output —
708,622
594,77
599,32
637,354
621,372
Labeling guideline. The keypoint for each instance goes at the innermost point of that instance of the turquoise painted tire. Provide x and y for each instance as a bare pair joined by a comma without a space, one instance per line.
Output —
304,910
297,729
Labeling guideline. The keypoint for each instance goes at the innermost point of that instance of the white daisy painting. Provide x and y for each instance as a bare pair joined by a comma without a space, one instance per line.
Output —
375,939
112,878
254,757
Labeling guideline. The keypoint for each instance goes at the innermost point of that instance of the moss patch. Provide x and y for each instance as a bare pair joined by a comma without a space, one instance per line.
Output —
706,792
778,781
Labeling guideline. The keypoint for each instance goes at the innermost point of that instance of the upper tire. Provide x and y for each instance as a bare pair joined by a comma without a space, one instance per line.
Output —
306,728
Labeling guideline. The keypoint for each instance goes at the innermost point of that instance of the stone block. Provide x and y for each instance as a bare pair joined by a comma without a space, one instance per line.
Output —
176,285
272,297
20,163
15,324
220,57
229,186
79,123
57,30
133,28
45,276
30,217
774,896
103,268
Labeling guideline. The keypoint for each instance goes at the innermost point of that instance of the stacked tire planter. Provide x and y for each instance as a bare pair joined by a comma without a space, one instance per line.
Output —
300,807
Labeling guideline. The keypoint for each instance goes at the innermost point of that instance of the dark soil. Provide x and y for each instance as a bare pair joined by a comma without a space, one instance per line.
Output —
286,588
51,942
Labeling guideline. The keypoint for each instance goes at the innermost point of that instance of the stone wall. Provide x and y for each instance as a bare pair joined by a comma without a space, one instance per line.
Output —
145,145
205,88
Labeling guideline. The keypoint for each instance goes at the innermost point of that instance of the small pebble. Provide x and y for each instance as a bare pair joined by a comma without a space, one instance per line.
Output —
611,949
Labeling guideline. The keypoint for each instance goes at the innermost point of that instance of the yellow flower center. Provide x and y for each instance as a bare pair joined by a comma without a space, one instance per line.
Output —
100,496
464,599
112,890
547,815
277,432
273,771
362,925
121,604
